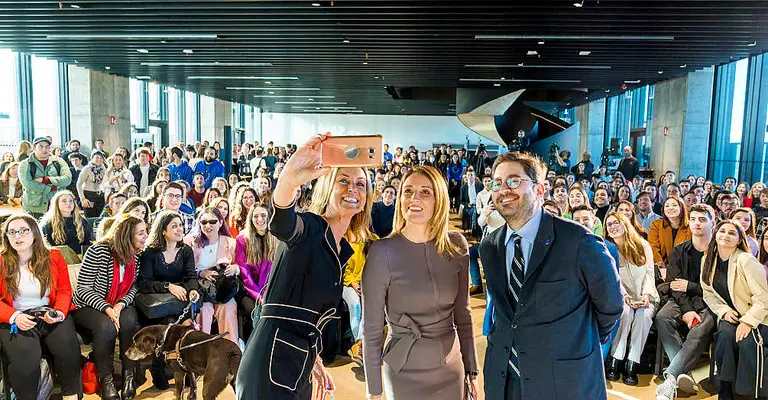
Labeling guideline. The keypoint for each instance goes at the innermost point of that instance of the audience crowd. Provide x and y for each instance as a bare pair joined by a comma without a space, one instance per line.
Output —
691,254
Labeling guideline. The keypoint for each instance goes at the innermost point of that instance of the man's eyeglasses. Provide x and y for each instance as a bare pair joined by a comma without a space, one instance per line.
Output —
20,233
511,182
174,196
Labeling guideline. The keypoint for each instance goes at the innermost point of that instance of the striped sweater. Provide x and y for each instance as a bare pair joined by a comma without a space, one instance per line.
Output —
95,279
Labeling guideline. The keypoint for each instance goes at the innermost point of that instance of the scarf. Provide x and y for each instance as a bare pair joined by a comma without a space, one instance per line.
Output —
119,289
98,174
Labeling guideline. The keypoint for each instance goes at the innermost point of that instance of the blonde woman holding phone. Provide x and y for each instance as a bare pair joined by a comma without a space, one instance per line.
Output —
417,280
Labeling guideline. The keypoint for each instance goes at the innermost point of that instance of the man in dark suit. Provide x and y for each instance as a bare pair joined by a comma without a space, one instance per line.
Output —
629,165
556,292
468,199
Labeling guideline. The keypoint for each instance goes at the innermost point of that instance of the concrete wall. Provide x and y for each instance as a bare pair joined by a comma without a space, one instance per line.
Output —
591,119
398,130
222,116
95,97
698,116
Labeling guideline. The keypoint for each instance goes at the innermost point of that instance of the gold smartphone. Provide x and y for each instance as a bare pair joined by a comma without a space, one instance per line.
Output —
353,151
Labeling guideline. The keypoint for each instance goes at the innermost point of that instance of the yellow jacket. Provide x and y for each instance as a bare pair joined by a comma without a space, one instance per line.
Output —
354,270
747,286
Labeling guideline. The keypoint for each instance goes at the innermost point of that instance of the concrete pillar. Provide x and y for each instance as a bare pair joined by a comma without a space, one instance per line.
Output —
222,116
95,98
591,118
681,119
207,119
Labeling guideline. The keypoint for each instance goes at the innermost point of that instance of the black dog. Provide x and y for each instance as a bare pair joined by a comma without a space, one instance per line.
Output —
217,360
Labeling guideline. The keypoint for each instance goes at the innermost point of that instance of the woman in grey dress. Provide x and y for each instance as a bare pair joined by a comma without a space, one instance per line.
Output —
417,280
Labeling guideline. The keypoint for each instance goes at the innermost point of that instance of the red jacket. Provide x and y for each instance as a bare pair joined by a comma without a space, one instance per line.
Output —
59,297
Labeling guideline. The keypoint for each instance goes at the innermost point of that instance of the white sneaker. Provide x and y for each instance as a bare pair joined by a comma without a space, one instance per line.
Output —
667,390
687,384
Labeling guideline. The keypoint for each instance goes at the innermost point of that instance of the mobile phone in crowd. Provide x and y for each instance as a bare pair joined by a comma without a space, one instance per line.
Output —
353,151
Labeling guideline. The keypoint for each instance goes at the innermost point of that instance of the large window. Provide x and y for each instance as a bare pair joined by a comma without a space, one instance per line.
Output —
9,118
45,97
192,116
728,120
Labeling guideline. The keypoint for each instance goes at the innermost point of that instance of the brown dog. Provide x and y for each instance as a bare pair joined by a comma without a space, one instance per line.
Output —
217,360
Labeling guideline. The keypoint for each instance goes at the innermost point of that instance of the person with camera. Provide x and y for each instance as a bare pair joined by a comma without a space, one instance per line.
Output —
106,287
214,251
34,277
167,266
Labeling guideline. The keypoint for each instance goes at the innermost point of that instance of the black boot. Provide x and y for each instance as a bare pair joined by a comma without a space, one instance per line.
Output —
630,374
612,372
129,384
108,389
158,374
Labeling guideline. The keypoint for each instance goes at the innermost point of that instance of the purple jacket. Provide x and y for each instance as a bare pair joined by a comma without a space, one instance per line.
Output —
254,276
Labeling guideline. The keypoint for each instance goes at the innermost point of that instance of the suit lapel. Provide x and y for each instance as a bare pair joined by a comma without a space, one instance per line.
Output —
544,239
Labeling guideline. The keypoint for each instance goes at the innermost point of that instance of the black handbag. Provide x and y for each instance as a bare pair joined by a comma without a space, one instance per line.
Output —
222,289
158,305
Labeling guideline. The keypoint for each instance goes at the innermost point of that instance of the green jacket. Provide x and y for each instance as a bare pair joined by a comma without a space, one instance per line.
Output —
37,195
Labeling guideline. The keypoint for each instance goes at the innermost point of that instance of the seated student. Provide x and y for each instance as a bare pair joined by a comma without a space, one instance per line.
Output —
686,309
222,186
735,289
213,245
135,206
210,195
197,193
233,180
637,276
173,195
552,207
629,210
254,253
602,203
577,196
115,202
156,193
585,216
10,185
761,212
383,212
187,206
668,232
130,190
244,200
106,287
65,225
167,266
263,188
746,218
32,275
116,174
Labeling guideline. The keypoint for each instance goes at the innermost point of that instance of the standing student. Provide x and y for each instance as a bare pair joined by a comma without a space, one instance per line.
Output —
89,185
534,259
735,289
468,199
42,175
210,167
383,212
417,280
32,275
144,172
686,311
106,287
637,276
116,175
306,283
65,225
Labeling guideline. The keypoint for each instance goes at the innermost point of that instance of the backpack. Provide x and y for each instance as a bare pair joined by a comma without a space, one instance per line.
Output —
33,168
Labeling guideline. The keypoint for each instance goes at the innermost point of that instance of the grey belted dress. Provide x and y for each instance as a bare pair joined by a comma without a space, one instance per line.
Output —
424,299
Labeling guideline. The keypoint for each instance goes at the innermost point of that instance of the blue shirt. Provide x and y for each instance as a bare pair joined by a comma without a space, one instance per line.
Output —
388,156
527,236
210,171
182,172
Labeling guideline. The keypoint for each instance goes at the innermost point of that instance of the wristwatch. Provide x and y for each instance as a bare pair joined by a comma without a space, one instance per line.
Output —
166,286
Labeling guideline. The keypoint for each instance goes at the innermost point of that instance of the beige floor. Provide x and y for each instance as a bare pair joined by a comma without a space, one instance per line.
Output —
350,382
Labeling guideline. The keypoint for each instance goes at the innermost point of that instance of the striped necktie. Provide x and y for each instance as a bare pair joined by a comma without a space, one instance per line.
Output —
516,274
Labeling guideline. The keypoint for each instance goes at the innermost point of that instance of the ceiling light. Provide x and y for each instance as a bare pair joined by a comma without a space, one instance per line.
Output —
74,6
107,68
334,111
607,90
204,64
187,51
502,78
567,104
267,83
270,93
661,72
277,96
522,65
144,77
585,53
132,36
315,4
330,107
586,98
532,52
753,44
521,80
365,62
345,41
145,51
578,4
684,66
244,77
312,102
572,37
541,42
633,82
497,84
271,88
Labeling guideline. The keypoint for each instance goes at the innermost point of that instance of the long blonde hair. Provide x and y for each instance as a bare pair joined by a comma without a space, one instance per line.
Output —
56,219
6,175
39,263
259,248
438,224
119,237
632,247
25,148
359,227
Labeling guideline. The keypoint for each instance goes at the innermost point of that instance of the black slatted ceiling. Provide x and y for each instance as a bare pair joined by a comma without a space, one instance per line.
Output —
410,44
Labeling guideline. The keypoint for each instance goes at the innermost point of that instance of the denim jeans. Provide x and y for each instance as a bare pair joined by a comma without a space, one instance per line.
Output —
352,299
474,266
